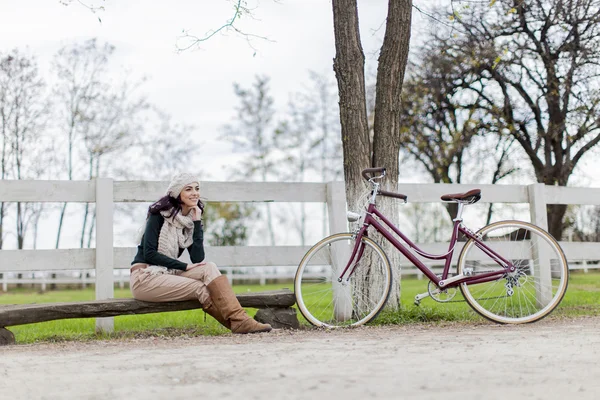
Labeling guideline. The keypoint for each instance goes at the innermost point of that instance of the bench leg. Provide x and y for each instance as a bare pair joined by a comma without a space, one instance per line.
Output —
278,318
6,337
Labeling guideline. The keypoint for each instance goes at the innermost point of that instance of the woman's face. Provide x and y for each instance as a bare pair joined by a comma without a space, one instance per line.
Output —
190,195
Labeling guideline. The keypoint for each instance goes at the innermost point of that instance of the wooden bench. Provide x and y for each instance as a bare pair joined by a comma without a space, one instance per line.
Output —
275,308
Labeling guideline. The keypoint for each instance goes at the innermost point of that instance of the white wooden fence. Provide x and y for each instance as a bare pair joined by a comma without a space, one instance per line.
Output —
105,259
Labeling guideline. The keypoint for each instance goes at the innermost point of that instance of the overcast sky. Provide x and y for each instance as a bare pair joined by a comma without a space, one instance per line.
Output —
195,87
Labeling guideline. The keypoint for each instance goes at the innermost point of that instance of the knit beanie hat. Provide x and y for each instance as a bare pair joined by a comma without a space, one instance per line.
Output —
179,181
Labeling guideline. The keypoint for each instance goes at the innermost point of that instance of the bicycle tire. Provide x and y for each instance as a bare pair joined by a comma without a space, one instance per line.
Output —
531,292
316,285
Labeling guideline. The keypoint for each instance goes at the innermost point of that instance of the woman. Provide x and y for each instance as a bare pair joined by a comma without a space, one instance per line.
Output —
172,225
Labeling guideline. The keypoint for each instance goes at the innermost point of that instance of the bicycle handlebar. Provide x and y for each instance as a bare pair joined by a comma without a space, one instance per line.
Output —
381,170
372,171
392,194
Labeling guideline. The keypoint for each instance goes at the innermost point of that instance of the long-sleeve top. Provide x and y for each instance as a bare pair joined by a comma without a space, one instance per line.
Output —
148,249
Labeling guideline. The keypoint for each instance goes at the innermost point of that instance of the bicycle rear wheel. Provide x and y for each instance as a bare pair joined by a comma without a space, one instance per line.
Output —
325,302
526,295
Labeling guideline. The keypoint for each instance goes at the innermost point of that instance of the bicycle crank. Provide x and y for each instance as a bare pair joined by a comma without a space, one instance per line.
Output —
440,295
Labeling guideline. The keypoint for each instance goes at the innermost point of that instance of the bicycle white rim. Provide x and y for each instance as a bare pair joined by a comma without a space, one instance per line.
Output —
532,287
305,291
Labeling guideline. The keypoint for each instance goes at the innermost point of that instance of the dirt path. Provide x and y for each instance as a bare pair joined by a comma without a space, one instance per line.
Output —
552,359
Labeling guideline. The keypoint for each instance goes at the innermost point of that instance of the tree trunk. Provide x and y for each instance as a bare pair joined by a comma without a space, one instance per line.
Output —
20,240
386,139
349,68
60,224
91,229
1,224
85,218
556,213
87,205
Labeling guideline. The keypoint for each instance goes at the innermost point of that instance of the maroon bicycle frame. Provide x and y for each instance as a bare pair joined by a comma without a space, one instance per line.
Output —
457,227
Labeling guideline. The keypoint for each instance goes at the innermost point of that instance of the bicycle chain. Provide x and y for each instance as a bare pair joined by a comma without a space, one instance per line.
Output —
464,301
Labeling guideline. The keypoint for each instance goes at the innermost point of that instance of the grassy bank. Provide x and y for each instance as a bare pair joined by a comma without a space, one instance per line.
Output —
582,298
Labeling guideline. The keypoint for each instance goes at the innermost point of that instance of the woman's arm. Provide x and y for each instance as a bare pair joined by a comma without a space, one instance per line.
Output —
150,244
196,250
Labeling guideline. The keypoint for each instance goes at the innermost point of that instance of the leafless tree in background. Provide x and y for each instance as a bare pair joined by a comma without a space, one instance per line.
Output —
25,113
81,71
444,128
110,129
252,134
537,65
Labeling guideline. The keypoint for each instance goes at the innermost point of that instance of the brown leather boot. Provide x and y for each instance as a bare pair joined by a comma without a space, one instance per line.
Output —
214,312
224,300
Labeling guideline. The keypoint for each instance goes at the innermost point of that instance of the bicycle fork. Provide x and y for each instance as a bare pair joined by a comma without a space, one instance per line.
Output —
357,253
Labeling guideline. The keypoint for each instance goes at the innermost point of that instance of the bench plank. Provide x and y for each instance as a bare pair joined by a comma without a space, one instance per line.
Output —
20,314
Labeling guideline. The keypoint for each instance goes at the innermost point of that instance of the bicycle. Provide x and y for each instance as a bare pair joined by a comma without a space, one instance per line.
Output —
509,272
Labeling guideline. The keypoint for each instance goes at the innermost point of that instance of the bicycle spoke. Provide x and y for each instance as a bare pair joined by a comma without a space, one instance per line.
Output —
531,291
353,302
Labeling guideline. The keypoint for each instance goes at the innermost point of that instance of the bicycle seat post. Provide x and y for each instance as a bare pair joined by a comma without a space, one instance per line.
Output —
459,212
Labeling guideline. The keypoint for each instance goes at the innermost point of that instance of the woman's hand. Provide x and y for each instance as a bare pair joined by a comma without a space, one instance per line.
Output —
196,213
192,266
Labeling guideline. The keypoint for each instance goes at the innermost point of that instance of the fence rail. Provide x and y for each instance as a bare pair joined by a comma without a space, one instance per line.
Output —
105,259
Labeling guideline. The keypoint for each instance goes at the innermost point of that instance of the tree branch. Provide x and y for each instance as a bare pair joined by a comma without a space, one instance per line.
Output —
239,9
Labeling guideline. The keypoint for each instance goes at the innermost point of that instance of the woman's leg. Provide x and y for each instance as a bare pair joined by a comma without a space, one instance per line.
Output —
204,274
165,287
217,298
221,302
226,303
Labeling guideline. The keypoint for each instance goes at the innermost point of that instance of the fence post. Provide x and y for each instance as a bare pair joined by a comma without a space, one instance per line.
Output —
104,248
336,207
539,217
537,205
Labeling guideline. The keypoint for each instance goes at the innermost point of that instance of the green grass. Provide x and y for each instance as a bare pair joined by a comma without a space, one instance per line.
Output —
582,298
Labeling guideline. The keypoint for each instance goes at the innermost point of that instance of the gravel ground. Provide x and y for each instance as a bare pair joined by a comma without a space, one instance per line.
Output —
551,359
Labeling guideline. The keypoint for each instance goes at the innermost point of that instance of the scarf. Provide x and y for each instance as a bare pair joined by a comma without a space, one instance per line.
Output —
176,233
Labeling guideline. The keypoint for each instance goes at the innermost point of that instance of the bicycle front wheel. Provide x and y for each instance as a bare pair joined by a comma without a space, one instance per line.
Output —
529,293
326,302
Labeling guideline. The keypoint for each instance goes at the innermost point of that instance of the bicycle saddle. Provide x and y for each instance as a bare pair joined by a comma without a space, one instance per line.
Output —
472,196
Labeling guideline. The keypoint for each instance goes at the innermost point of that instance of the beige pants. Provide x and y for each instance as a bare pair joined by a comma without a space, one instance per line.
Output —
183,285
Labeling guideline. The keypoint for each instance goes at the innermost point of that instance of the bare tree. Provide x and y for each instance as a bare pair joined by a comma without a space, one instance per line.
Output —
537,65
110,128
7,110
81,72
293,138
328,143
160,149
24,114
253,135
441,124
